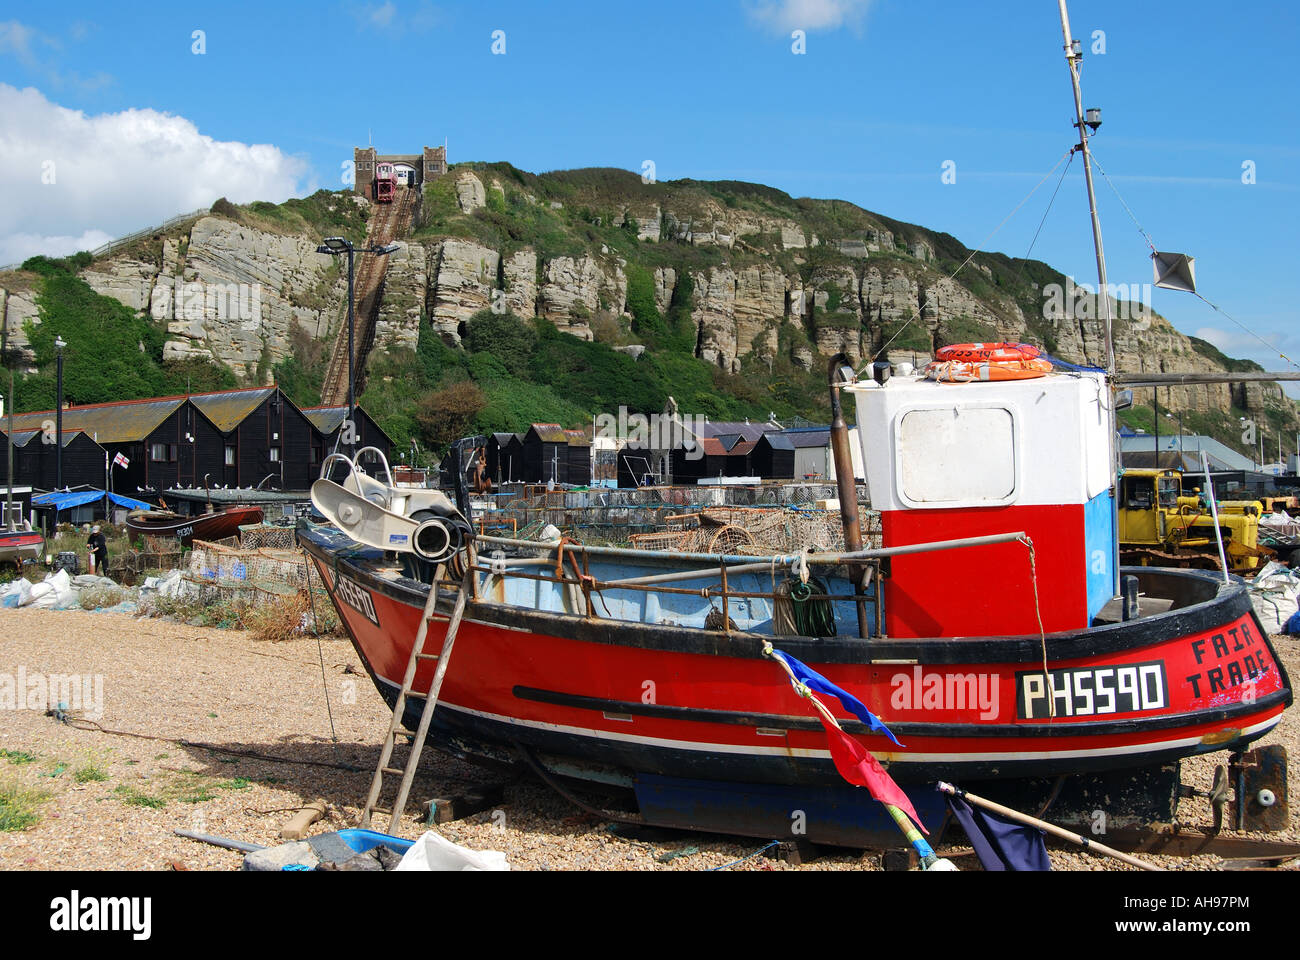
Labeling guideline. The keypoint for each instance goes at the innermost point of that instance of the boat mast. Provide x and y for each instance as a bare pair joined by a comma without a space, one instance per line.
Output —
1083,122
1073,55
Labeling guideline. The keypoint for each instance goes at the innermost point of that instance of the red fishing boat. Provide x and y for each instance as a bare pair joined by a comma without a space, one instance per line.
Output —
990,631
204,526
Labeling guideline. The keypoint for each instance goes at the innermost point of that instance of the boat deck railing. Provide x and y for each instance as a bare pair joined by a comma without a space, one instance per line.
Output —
865,567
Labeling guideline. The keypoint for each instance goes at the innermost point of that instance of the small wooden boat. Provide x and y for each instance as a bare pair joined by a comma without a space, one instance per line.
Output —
17,546
207,526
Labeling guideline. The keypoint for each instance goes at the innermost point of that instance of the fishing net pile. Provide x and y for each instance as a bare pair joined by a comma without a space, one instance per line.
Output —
757,531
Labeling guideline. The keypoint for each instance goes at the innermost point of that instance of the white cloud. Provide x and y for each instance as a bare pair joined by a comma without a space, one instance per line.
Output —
1237,342
114,173
16,41
17,247
412,18
32,50
785,15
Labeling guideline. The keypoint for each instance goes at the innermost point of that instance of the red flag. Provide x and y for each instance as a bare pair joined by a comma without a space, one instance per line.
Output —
856,765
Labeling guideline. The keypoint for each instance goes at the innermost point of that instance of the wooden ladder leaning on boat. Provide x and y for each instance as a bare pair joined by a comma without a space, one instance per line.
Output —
397,728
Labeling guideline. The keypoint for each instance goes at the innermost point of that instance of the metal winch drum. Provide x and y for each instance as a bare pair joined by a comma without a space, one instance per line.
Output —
401,519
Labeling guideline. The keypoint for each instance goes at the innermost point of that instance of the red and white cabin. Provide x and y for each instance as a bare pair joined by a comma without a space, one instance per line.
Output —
950,460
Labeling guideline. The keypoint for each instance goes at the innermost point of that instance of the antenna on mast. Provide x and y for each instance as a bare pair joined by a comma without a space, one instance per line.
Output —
1085,122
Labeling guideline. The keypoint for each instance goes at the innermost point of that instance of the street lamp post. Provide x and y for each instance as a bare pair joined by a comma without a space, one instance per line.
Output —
59,344
9,456
334,246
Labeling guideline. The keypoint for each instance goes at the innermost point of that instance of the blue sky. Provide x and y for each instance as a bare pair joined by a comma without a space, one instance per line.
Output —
886,92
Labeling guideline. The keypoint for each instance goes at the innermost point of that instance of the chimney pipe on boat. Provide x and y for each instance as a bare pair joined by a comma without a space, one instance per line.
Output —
838,372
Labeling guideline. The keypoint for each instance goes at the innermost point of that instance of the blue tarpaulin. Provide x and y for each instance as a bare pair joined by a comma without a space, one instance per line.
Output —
66,500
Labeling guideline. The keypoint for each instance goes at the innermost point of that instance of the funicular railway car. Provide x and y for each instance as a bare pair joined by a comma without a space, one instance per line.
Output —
385,182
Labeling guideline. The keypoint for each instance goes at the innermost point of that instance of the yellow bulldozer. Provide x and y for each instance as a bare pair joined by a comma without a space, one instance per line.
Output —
1161,526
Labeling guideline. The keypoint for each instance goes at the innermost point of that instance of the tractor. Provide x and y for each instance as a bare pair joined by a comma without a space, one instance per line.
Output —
1159,525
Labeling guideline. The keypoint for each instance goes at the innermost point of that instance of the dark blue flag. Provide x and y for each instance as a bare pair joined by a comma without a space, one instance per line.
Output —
852,704
1000,844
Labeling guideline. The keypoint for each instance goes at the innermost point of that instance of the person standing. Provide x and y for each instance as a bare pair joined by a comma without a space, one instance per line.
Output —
98,545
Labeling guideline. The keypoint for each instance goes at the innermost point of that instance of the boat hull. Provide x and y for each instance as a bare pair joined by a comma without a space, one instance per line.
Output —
211,526
18,546
683,702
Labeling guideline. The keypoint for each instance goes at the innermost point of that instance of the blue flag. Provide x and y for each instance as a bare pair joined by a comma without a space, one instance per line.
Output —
1000,844
852,704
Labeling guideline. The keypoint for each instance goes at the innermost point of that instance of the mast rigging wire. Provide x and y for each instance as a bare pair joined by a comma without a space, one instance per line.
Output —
1065,156
1213,306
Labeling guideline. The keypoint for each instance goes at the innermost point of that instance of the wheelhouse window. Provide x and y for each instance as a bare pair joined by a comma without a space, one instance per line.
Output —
957,456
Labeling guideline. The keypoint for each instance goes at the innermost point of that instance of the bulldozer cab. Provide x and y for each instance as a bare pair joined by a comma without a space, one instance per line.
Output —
1146,496
1159,524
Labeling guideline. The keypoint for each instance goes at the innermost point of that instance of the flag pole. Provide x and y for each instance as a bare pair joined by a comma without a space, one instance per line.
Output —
1051,828
929,859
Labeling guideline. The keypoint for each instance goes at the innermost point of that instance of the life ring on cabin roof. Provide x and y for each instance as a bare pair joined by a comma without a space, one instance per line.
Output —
987,352
956,371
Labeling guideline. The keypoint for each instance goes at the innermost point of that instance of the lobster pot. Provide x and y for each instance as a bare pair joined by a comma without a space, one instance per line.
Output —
248,575
952,460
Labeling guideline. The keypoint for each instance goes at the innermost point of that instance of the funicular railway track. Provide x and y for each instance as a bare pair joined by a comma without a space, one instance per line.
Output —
390,221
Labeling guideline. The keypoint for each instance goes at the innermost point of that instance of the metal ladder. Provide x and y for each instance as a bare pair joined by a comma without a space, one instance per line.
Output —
396,728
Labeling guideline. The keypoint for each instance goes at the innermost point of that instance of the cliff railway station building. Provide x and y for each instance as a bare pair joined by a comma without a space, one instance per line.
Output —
371,170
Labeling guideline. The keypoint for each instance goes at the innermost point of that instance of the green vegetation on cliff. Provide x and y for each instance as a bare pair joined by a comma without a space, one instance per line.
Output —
112,352
529,372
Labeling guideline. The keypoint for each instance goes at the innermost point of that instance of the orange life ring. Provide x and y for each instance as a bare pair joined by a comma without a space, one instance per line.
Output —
987,352
956,371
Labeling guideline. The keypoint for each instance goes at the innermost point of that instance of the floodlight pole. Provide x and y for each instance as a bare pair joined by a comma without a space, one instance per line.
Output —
58,419
9,431
333,246
351,325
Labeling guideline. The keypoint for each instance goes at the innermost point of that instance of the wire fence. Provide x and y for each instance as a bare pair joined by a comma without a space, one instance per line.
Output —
131,237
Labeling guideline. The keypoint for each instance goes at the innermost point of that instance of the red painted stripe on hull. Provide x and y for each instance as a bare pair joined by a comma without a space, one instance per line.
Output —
490,661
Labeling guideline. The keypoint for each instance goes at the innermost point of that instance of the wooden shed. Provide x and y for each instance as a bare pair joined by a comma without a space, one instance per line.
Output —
505,457
579,458
546,454
773,457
